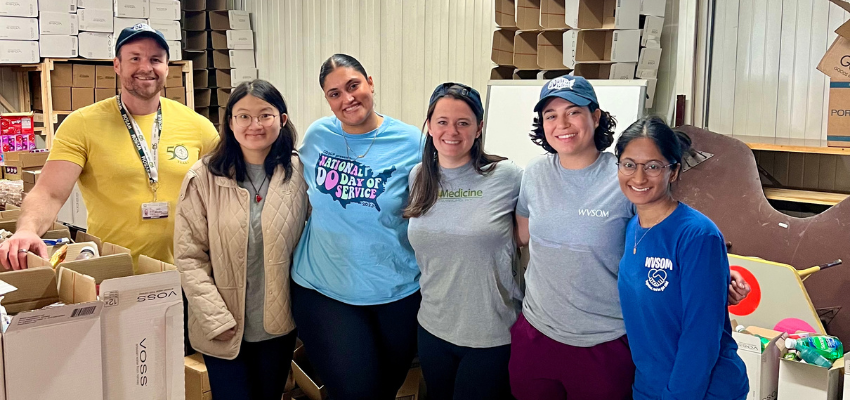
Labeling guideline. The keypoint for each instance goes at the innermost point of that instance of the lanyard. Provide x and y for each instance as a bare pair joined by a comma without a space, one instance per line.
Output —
149,156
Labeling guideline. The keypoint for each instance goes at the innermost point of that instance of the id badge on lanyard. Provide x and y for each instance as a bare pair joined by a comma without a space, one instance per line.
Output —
149,157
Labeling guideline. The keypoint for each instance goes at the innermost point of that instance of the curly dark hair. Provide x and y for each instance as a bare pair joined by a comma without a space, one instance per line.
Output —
603,136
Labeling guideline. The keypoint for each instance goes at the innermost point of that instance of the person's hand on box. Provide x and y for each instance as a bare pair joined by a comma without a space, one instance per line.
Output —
226,335
13,252
738,288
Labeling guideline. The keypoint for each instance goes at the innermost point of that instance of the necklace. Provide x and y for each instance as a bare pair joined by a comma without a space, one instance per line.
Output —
257,192
349,149
637,242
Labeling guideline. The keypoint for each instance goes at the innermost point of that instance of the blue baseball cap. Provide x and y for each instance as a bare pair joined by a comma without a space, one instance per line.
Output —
574,89
139,31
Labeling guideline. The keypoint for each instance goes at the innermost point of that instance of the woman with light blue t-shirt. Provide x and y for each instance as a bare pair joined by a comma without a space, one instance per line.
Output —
355,282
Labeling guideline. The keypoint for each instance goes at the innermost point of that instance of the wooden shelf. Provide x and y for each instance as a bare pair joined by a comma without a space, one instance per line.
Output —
804,196
789,145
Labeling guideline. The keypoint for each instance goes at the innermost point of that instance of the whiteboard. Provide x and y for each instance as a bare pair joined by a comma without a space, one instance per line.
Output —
510,112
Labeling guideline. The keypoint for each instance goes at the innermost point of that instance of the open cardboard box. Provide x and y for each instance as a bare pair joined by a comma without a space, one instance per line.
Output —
602,14
605,71
762,367
798,380
528,15
525,51
600,46
550,50
836,65
505,13
503,47
57,231
552,14
305,377
197,378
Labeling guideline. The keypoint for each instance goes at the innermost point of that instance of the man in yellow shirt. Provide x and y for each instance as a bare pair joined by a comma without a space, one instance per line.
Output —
130,153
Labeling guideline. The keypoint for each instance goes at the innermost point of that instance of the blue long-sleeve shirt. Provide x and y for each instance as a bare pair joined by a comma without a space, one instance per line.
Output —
673,290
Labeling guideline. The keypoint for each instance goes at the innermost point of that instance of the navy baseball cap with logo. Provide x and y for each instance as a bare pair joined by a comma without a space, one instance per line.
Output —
574,89
139,31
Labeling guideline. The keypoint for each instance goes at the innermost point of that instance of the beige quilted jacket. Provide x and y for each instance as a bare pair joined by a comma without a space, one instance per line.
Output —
211,246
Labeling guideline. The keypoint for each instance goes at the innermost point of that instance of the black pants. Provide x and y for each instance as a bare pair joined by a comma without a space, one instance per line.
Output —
463,373
259,372
359,352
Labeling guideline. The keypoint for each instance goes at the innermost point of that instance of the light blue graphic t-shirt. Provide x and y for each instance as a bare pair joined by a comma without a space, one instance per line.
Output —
355,248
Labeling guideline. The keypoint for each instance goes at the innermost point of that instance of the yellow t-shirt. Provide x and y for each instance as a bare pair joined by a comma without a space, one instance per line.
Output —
114,183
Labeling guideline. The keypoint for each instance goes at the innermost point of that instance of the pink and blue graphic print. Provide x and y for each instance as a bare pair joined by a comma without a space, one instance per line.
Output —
349,181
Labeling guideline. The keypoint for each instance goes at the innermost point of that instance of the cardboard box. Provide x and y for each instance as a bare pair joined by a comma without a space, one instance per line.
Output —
61,98
503,47
19,52
81,97
58,23
62,75
165,10
177,94
602,14
10,215
175,50
232,59
650,59
233,77
846,371
217,115
836,62
18,28
198,59
194,40
525,51
413,387
193,5
762,367
305,377
174,77
550,50
650,92
505,13
103,94
105,77
223,95
195,21
651,27
18,161
605,71
241,39
31,175
553,14
101,4
95,20
227,20
84,75
201,78
95,45
203,111
170,29
133,8
838,115
601,46
528,15
799,380
20,8
118,24
197,378
64,6
216,5
525,74
203,97
653,7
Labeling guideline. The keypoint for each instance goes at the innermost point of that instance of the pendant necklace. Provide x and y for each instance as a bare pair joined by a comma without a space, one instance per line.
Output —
257,192
637,242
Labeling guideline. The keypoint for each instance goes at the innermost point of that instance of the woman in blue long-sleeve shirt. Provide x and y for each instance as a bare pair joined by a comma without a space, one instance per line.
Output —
673,278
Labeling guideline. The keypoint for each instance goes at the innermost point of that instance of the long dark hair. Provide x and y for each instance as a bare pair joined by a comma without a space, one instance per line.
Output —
672,144
426,184
226,159
603,136
339,60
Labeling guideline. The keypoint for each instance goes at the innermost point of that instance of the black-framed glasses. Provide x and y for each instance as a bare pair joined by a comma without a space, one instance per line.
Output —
245,120
652,168
460,89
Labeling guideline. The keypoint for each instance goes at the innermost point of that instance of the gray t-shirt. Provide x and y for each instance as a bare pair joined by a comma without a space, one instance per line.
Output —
471,291
577,222
256,273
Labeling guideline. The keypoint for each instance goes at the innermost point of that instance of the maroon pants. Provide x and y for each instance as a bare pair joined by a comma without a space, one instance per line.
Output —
542,368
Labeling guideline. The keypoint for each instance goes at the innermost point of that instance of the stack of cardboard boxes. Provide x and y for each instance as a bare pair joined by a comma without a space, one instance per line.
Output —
76,85
30,29
220,44
174,88
17,133
596,39
836,65
24,166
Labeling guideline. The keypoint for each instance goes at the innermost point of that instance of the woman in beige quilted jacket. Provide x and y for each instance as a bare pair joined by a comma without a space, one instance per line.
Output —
239,217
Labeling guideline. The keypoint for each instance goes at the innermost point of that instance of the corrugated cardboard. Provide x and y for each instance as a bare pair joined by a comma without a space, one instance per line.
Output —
103,94
602,14
10,215
75,287
195,40
600,46
36,288
81,97
58,23
525,51
233,77
84,75
198,59
502,73
133,8
174,77
20,8
649,60
193,5
118,24
550,50
29,176
102,4
838,115
62,75
19,52
606,71
203,111
233,59
65,6
18,28
170,29
96,45
203,97
762,367
147,265
104,77
528,15
18,161
413,387
526,74
194,21
201,79
503,47
217,5
799,381
505,13
61,98
836,62
653,7
232,19
222,95
197,378
175,52
305,377
233,39
95,20
651,27
165,10
177,94
552,14
58,46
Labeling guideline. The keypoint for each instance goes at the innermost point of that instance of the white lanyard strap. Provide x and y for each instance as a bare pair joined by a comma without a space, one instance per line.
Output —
148,155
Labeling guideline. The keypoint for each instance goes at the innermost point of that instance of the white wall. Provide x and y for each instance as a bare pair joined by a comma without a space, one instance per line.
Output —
408,46
763,79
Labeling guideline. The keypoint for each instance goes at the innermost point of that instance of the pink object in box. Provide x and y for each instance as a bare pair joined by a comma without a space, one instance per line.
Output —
31,137
19,142
16,124
5,143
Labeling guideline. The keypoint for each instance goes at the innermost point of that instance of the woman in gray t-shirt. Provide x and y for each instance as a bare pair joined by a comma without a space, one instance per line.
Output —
461,228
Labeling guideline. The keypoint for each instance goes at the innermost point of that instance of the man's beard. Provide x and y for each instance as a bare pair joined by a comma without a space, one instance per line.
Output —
142,92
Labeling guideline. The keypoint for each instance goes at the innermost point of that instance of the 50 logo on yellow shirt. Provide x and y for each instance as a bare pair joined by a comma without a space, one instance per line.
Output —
179,152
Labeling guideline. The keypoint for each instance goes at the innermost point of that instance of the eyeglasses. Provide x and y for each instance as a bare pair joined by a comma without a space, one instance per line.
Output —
459,89
245,120
652,168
